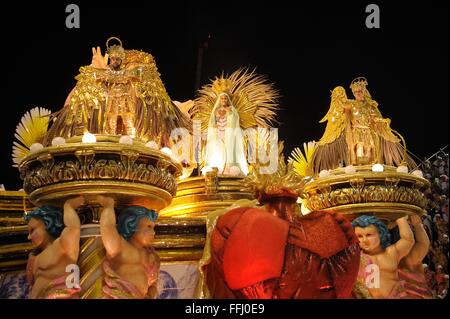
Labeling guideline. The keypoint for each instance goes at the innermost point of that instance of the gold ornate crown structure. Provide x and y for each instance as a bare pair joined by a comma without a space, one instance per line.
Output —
115,50
359,82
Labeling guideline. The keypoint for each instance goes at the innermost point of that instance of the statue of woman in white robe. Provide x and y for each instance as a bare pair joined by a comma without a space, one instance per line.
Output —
225,143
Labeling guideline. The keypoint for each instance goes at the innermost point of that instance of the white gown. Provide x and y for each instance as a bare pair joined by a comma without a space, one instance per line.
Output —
225,143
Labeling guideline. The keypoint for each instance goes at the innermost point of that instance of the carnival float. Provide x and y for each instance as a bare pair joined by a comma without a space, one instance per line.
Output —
153,198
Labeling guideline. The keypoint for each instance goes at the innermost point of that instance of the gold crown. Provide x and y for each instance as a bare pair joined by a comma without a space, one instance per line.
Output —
359,81
221,85
115,50
285,182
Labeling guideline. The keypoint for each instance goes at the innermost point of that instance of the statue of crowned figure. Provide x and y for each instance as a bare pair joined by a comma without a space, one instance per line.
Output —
119,93
357,134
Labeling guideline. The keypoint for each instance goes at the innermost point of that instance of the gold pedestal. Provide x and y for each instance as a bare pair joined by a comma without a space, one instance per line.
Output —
388,195
132,174
197,196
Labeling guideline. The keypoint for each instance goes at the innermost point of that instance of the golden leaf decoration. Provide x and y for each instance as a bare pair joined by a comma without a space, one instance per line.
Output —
31,129
302,161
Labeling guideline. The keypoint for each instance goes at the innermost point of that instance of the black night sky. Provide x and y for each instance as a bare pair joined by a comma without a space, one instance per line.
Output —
305,51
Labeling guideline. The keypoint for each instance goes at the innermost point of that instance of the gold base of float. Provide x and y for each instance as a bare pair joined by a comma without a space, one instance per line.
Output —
197,196
124,193
132,174
388,194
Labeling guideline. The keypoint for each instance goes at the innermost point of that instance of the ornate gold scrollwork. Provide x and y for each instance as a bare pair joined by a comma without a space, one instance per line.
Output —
369,194
389,194
88,165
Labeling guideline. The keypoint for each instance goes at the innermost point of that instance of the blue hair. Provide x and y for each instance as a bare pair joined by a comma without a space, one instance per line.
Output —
365,221
52,218
129,219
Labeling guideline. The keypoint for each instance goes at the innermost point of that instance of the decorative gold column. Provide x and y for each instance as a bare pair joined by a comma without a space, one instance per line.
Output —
92,253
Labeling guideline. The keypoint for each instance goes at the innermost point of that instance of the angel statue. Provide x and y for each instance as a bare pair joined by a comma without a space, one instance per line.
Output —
356,133
227,106
120,93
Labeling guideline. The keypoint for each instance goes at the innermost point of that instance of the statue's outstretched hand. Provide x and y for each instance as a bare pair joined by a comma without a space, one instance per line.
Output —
98,60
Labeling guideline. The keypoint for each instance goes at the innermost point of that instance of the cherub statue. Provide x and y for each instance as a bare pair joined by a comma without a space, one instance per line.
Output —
120,93
226,107
356,132
380,259
56,247
131,266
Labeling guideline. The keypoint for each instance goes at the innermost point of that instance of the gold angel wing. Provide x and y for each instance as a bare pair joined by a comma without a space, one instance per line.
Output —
78,115
254,98
31,129
335,117
88,92
302,162
332,149
157,115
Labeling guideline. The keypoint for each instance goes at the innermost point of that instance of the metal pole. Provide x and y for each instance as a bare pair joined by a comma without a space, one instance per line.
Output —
198,79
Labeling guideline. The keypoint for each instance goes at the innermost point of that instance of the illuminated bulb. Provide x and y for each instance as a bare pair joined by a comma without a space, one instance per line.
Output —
36,147
166,150
58,141
126,139
377,168
324,173
417,173
89,138
350,169
402,169
152,145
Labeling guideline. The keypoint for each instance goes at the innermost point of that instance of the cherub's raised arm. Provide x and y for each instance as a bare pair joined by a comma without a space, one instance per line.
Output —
406,241
70,236
422,242
108,229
